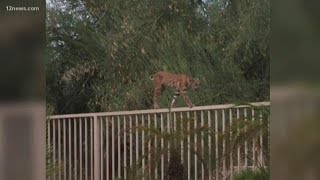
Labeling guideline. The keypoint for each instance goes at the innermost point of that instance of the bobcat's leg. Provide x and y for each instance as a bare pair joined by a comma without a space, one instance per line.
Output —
186,98
173,103
157,92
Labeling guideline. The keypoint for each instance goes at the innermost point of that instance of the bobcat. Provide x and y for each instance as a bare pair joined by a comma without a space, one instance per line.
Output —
179,82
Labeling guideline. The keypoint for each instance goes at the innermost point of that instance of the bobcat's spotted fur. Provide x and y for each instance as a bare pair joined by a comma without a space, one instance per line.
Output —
179,82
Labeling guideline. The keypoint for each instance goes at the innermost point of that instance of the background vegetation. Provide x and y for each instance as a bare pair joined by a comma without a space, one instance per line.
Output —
100,55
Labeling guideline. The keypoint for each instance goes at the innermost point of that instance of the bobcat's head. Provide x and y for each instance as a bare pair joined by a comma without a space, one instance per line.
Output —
194,84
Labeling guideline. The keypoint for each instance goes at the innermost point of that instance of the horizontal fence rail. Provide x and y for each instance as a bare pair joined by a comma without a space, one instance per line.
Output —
152,144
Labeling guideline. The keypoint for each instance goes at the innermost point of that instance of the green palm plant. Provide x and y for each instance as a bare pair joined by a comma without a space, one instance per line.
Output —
242,130
247,130
260,174
134,173
175,169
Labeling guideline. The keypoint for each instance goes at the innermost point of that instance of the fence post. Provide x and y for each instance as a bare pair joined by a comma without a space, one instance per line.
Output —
96,148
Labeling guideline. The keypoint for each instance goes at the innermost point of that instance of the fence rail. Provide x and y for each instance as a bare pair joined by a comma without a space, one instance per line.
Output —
110,145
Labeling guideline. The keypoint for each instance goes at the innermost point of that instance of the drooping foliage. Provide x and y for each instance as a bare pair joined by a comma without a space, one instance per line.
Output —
100,55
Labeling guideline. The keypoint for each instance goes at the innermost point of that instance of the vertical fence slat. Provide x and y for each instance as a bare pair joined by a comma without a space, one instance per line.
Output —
64,151
231,151
202,145
107,148
238,130
195,147
162,146
223,143
119,148
69,137
137,140
155,149
253,144
189,163
59,147
143,142
80,146
245,142
209,145
112,148
96,148
169,118
261,141
174,121
125,146
130,128
86,148
75,148
49,139
101,147
149,148
181,126
130,138
54,145
91,148
216,143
